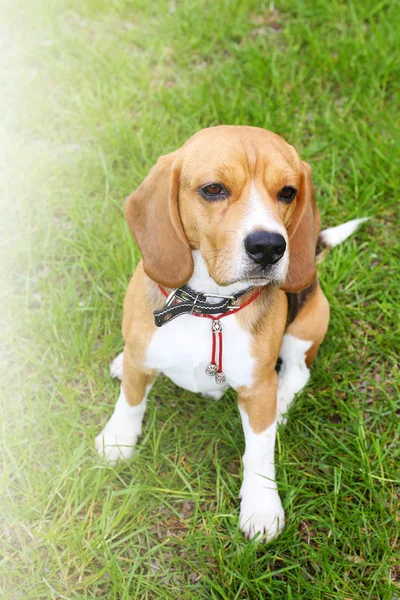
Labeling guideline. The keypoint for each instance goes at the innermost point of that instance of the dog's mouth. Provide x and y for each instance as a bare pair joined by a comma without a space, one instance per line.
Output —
251,275
262,276
258,280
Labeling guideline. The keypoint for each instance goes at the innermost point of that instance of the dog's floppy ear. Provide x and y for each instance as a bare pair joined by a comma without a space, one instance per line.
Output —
153,217
303,234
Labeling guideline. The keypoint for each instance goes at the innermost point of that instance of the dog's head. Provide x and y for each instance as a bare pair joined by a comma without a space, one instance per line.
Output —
240,195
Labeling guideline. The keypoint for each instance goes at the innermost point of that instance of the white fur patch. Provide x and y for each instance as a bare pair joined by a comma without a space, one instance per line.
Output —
116,366
258,216
119,436
293,374
181,349
213,395
261,509
201,281
333,236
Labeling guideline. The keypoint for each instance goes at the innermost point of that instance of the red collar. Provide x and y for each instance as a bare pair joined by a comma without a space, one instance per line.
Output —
230,312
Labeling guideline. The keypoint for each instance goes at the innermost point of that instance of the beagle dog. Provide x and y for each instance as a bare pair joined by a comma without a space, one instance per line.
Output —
228,229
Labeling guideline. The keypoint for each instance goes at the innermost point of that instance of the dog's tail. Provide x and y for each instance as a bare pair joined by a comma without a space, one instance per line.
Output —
333,236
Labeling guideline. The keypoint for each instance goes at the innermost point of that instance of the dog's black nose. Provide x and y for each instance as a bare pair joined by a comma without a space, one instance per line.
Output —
265,247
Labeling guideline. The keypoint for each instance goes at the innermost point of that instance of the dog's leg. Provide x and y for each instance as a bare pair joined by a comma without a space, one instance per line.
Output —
261,509
119,436
116,367
294,373
299,348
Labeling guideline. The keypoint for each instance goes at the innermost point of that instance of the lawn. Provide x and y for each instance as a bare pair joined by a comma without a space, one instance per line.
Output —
92,93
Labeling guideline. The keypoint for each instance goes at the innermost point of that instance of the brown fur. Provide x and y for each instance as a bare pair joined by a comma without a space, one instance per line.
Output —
303,233
137,330
267,327
153,217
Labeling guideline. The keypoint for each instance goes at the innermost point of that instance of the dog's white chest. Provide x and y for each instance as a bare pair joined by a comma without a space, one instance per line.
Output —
182,350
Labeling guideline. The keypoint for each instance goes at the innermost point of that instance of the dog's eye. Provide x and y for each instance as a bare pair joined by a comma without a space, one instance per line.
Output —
213,191
287,194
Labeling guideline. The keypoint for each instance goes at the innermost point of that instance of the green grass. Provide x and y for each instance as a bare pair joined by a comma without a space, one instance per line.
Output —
93,93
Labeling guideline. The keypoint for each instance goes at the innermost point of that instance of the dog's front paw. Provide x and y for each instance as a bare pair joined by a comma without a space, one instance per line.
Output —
263,517
113,447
